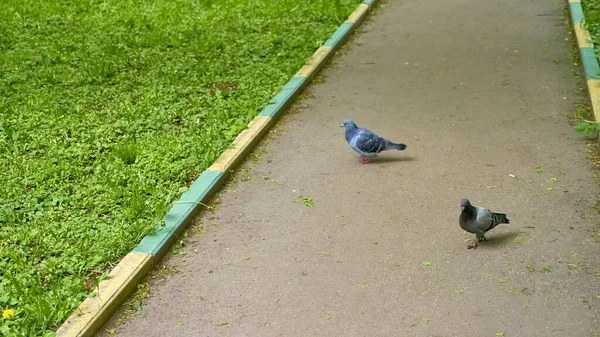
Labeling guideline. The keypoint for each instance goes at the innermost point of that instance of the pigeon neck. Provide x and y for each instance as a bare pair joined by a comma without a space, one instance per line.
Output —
469,209
350,131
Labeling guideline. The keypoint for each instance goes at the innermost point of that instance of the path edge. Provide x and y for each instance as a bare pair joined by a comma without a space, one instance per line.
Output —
585,45
95,311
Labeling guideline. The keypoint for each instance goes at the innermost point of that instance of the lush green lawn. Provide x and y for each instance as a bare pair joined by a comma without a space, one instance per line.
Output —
591,9
107,109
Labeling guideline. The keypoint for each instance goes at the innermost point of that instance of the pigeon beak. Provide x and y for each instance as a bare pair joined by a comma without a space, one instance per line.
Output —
341,126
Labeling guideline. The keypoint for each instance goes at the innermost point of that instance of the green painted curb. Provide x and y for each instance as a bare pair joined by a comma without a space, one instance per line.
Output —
576,12
177,218
285,96
590,63
588,58
340,35
588,55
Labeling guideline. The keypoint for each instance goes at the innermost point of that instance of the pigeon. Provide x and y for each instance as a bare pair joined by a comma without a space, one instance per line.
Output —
479,220
366,143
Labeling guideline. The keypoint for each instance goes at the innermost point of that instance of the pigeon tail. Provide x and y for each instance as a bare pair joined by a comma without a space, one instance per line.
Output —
394,146
501,218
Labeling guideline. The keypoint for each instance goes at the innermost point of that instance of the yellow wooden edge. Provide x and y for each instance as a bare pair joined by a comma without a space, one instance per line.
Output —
306,71
92,313
240,145
583,36
315,61
358,13
594,91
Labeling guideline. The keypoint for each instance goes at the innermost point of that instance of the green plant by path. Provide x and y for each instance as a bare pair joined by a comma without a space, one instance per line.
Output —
108,109
587,127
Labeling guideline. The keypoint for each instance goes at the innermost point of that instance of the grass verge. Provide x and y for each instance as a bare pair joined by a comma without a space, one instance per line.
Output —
108,110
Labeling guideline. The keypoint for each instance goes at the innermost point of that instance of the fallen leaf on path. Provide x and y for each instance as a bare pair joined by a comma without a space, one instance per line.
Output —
426,263
222,323
503,280
111,331
361,285
308,202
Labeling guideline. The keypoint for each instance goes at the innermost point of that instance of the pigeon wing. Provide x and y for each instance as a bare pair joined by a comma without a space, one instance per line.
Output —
485,219
368,142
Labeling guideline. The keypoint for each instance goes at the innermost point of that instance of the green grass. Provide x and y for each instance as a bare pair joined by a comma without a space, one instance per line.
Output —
108,110
591,11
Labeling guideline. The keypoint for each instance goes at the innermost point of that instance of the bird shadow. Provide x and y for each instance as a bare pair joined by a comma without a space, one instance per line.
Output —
391,159
499,239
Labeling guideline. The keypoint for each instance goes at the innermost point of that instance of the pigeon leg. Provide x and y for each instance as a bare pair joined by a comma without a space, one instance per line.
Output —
364,160
473,246
480,236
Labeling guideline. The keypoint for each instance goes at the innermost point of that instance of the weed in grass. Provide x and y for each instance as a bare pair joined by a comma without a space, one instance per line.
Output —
108,109
127,153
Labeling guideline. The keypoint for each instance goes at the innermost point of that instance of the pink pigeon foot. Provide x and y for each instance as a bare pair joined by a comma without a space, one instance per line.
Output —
364,160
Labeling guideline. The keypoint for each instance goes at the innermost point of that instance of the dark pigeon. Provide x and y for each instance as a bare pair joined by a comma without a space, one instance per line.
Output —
479,220
367,143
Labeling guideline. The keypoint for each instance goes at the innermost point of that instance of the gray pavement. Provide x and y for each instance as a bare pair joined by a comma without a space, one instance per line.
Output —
479,91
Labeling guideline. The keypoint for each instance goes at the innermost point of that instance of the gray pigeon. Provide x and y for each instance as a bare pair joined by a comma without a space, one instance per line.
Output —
366,143
478,220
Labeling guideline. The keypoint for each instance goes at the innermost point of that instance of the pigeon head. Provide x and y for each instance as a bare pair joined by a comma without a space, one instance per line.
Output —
464,202
348,124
